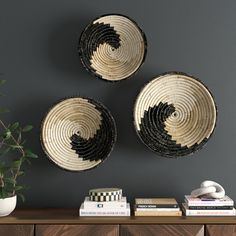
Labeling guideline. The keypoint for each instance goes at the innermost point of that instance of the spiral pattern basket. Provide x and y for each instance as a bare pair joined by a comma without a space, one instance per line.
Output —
112,47
78,134
174,114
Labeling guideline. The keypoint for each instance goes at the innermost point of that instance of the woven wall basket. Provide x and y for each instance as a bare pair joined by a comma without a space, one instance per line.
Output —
174,114
78,134
112,47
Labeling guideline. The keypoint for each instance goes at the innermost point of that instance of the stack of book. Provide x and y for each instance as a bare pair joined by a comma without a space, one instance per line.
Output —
156,207
203,206
105,202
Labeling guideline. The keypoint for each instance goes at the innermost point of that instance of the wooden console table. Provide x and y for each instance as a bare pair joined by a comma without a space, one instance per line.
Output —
66,222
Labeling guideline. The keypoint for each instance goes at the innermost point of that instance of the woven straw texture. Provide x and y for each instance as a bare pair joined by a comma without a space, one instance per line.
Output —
112,47
174,114
78,133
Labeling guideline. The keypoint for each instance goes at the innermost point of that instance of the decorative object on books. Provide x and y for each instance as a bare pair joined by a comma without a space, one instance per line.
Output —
100,202
210,189
112,47
174,114
12,142
105,194
78,133
156,207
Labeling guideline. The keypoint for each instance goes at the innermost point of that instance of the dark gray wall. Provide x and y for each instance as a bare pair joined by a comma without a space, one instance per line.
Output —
38,58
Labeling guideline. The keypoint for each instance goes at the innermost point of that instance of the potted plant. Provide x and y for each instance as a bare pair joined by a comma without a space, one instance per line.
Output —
12,143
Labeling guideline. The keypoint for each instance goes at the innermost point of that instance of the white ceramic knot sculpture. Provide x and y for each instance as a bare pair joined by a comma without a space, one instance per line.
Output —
210,189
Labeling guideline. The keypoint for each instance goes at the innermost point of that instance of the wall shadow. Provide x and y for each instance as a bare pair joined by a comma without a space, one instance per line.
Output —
120,99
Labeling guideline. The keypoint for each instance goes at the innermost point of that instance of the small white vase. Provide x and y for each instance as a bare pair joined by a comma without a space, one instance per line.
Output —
7,205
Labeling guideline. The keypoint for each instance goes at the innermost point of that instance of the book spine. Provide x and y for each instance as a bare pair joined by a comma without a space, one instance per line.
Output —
189,212
108,213
209,213
209,203
104,206
158,209
210,207
157,213
156,206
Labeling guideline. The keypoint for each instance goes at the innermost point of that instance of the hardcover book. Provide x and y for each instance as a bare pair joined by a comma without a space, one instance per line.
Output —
156,202
189,212
158,213
194,201
105,212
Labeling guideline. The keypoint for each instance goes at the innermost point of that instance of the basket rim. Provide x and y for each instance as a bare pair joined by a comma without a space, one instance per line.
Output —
95,102
96,75
184,74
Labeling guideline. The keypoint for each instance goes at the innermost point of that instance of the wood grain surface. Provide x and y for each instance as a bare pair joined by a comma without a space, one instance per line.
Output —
16,230
70,216
221,230
77,230
162,230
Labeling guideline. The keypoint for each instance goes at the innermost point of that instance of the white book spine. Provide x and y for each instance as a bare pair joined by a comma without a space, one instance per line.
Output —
209,203
226,201
158,209
210,213
103,214
189,212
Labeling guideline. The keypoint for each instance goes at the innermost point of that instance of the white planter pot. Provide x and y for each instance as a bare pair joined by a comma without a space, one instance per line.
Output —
7,205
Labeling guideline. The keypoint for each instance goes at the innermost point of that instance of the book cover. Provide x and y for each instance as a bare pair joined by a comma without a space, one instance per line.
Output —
192,201
157,209
189,212
156,201
158,213
105,212
154,206
210,207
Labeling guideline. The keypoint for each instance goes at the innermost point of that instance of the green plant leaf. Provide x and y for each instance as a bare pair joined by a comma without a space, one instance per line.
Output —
4,169
23,142
3,110
30,154
21,173
3,193
19,138
16,146
27,128
21,196
28,161
2,81
7,134
5,151
16,164
9,180
14,126
19,187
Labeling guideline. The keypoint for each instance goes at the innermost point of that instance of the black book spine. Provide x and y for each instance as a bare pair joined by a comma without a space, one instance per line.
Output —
210,207
156,206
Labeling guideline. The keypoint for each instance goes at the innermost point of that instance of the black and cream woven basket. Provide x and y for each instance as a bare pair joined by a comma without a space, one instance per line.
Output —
112,47
174,114
78,133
